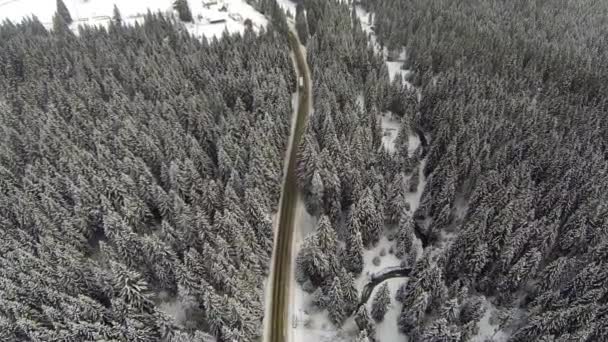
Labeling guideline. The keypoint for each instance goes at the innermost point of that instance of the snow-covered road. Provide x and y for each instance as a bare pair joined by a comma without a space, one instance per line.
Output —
278,317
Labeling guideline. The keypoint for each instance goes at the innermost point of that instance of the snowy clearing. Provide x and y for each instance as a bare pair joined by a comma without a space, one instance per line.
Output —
209,20
486,328
390,127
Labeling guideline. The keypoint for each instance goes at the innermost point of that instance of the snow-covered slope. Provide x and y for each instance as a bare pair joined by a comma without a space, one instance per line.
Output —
210,20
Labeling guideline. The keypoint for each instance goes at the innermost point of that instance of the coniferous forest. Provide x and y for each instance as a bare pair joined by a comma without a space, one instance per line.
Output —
514,104
140,167
347,179
139,170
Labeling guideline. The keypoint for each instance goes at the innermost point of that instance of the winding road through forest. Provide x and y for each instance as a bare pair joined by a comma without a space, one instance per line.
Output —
278,313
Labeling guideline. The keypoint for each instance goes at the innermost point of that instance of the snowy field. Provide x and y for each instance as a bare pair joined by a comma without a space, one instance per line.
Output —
227,15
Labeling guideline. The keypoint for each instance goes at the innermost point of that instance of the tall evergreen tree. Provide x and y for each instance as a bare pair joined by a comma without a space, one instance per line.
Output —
405,235
351,296
367,217
336,305
364,322
381,303
60,27
183,10
116,16
63,12
353,258
311,261
317,192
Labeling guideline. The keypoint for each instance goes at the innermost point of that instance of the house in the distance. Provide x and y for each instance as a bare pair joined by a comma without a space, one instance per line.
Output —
211,3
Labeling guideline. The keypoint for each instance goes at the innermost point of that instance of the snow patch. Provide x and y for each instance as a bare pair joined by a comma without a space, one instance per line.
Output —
461,206
174,309
309,326
413,198
389,260
487,328
390,128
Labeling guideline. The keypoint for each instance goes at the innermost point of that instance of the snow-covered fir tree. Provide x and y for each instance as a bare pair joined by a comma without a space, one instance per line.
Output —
381,303
143,189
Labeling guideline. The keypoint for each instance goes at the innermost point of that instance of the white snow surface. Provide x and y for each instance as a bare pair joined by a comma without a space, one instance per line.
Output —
99,12
486,328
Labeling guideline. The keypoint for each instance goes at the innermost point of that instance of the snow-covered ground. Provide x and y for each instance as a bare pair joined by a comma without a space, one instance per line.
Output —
395,68
486,328
230,14
387,330
237,11
390,127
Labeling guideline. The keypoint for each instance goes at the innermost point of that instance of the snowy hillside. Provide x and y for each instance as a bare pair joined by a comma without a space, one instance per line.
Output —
211,17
